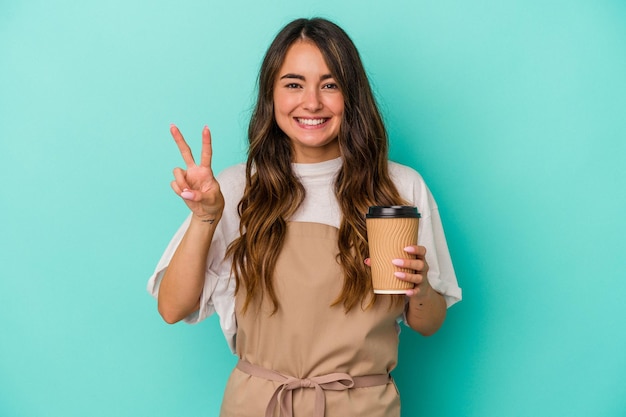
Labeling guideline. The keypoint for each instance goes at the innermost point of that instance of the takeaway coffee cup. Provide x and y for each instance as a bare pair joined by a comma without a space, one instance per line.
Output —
389,230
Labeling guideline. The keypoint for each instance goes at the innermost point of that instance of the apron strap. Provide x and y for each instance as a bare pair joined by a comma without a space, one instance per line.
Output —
283,394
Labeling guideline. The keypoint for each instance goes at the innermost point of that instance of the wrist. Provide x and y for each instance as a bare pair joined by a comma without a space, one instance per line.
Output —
207,220
423,297
426,314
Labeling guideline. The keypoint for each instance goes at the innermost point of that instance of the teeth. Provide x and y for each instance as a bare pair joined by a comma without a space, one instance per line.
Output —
311,122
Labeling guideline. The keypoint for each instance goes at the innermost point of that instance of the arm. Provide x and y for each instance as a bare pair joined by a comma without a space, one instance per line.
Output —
183,281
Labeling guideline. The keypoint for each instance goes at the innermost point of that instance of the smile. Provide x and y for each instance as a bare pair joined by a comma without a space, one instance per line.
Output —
311,122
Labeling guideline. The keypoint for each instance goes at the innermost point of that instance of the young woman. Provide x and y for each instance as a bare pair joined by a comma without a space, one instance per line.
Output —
278,246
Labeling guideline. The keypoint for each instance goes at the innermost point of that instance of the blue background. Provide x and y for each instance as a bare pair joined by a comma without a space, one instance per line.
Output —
513,111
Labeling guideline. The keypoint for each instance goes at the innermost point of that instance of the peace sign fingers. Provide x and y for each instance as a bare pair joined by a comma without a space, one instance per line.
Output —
196,185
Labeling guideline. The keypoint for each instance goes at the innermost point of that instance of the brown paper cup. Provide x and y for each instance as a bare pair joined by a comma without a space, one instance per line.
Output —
389,231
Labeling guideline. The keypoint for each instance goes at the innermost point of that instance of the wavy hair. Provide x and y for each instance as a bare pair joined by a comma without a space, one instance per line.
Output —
273,193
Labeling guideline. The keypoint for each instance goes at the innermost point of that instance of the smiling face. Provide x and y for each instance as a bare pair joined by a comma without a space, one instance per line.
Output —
308,104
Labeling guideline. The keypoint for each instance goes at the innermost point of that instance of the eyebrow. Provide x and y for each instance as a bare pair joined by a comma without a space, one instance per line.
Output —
301,77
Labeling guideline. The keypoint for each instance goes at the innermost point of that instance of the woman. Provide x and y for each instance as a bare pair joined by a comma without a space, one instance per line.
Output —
278,246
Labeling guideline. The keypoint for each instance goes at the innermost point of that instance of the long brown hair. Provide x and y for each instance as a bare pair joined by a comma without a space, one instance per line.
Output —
273,193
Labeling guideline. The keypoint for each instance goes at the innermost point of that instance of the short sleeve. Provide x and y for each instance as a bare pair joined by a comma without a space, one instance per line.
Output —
441,274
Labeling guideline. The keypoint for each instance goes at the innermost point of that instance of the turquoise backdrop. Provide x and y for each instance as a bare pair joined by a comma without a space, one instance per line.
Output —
514,111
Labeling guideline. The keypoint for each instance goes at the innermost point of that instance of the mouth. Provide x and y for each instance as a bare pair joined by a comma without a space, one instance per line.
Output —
309,122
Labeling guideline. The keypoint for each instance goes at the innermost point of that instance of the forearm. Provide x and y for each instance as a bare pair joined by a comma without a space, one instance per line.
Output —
183,281
426,314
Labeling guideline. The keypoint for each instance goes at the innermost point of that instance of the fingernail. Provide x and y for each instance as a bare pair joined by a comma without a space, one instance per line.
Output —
409,249
397,262
187,195
400,274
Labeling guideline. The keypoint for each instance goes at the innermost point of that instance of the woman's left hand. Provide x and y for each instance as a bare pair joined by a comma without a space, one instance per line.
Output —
419,274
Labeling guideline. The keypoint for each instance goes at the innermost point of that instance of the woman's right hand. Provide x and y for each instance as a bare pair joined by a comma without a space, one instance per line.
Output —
197,185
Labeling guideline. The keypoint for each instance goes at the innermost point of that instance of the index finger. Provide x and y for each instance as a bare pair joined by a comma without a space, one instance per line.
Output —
207,148
419,251
184,149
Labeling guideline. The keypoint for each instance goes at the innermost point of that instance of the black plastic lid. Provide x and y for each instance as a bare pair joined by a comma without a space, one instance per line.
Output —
377,212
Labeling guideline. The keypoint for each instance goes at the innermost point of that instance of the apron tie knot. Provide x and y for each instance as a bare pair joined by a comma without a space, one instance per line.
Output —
306,383
283,394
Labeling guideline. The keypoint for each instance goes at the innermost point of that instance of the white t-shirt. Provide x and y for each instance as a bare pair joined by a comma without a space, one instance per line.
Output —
319,206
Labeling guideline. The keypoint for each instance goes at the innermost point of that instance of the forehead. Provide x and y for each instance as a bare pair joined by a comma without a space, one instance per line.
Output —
304,56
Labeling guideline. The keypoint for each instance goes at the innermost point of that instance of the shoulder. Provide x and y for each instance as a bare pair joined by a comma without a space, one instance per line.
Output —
233,174
232,182
405,177
401,172
411,186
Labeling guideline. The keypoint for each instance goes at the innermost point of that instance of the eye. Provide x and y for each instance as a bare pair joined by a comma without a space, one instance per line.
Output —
330,86
292,85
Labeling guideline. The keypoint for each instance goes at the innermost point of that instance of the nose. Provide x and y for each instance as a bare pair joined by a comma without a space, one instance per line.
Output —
311,100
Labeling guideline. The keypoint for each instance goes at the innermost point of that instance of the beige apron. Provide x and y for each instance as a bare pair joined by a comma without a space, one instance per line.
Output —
308,351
